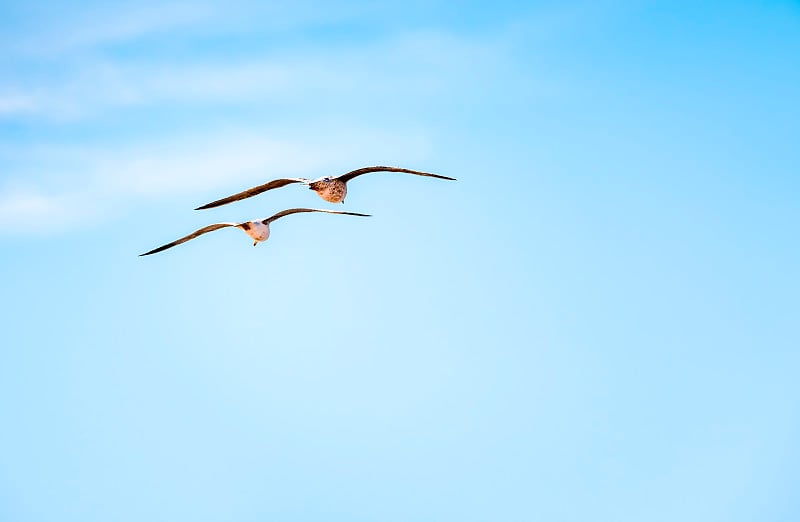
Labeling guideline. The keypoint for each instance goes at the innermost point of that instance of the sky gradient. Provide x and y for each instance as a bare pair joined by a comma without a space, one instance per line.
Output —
598,321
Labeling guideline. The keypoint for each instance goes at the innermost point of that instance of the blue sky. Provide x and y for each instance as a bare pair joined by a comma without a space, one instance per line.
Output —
598,321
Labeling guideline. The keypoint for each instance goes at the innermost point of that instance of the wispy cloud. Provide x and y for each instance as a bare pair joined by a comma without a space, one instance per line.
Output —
64,29
26,211
75,29
98,180
95,87
329,87
421,64
18,104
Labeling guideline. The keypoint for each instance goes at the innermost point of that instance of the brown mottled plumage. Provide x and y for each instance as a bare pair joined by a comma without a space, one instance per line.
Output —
330,189
257,229
333,190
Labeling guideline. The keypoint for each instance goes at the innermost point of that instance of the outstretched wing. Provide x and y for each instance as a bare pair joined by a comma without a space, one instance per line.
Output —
184,239
249,193
286,212
366,170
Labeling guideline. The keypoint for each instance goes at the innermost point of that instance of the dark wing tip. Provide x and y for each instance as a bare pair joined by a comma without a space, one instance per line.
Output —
229,199
213,204
157,250
431,175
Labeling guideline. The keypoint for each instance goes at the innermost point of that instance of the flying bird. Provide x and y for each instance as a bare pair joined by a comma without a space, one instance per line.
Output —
257,229
331,189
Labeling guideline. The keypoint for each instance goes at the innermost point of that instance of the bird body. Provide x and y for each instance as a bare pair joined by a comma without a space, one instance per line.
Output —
331,189
258,229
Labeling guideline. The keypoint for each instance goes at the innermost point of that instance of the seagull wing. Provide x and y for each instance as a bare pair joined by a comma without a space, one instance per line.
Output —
184,239
286,212
366,170
249,193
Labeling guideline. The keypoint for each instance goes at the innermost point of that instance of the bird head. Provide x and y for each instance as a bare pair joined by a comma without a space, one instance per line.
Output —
320,184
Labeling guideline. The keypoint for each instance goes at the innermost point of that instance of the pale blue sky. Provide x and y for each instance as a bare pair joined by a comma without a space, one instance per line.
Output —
598,321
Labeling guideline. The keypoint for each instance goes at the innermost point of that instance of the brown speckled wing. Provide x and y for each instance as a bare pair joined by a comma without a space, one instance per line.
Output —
249,193
366,170
286,212
184,239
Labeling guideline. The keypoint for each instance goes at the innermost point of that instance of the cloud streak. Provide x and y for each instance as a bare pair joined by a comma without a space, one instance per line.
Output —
419,64
98,180
329,92
18,104
75,30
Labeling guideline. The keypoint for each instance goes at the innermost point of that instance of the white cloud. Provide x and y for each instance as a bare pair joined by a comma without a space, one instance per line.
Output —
24,211
127,171
17,103
95,181
72,29
423,64
68,29
27,204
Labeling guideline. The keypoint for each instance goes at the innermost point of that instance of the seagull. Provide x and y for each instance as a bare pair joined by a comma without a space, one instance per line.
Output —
256,229
331,189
